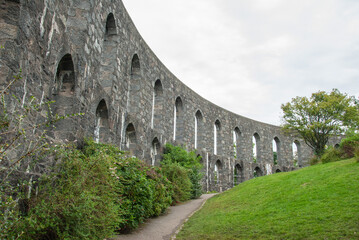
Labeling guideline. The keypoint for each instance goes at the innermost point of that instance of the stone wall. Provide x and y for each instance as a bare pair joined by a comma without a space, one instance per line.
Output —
88,56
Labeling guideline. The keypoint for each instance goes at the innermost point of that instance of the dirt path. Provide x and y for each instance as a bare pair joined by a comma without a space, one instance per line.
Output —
165,227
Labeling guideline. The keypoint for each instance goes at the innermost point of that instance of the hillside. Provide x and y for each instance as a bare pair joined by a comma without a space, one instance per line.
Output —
318,202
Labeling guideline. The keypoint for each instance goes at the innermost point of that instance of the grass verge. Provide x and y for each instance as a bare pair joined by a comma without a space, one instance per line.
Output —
318,202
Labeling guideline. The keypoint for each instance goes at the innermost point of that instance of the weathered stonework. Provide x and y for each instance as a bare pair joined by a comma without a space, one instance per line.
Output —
89,57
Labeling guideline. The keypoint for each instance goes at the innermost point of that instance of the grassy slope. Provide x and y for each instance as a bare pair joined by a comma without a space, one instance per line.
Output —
318,202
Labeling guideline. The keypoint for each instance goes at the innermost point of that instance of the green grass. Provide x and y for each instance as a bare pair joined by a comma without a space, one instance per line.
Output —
318,202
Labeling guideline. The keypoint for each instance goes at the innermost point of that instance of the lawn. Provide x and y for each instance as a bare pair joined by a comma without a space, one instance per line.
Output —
318,202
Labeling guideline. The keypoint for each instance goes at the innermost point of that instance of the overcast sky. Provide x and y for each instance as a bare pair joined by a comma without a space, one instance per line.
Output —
250,56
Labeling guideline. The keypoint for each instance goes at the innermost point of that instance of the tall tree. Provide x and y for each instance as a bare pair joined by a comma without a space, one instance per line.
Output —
321,116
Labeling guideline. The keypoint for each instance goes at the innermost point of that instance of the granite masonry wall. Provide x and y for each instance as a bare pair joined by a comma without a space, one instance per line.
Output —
88,56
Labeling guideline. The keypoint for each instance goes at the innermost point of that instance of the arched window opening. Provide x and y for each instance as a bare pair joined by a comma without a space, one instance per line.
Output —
110,25
217,172
238,174
276,150
135,66
296,153
177,121
101,120
200,158
157,103
198,122
278,171
216,131
130,137
255,146
236,135
65,77
257,172
155,149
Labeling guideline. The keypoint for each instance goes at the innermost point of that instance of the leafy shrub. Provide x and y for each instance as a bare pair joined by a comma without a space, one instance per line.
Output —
143,191
195,176
179,176
331,154
9,214
92,192
180,167
350,144
78,200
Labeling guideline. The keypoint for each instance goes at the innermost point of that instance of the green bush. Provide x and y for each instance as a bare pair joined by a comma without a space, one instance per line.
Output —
92,192
10,216
78,200
195,176
179,176
331,154
350,144
186,167
144,192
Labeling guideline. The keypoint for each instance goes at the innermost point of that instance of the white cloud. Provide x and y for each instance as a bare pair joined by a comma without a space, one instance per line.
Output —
250,56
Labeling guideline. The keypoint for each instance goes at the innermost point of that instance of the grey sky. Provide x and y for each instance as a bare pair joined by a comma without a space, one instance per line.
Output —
250,56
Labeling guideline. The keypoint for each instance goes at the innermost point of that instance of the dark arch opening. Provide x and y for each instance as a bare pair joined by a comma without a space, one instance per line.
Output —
65,77
110,25
158,88
238,174
199,115
216,137
130,135
157,104
217,172
257,172
178,120
63,90
102,125
179,105
102,113
198,128
278,171
135,65
155,149
199,156
217,123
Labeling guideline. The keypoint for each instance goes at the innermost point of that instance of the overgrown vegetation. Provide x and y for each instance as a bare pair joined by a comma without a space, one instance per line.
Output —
348,148
321,116
91,193
317,202
143,192
84,191
23,127
183,169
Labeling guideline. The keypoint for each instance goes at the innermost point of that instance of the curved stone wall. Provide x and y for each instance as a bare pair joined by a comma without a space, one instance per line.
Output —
89,57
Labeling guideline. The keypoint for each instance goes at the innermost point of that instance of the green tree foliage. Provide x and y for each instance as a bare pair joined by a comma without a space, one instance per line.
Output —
183,169
319,117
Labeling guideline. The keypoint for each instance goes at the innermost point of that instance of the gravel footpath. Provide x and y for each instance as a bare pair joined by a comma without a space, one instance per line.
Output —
166,226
